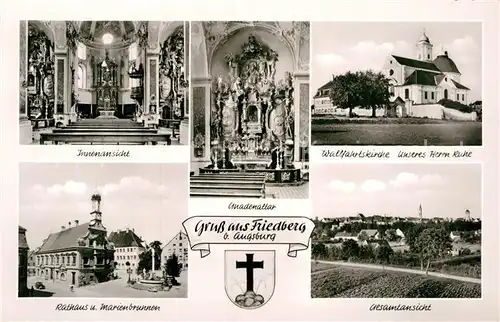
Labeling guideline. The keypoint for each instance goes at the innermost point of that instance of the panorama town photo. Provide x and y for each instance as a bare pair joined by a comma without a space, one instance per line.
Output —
397,231
103,82
250,118
102,230
396,83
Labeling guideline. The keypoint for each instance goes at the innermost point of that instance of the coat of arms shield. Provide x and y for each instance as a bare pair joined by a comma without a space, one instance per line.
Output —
250,277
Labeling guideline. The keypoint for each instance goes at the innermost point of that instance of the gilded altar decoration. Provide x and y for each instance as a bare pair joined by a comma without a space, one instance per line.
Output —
173,84
252,112
40,81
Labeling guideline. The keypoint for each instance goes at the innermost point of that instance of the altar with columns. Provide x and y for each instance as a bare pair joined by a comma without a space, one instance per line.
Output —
250,97
129,70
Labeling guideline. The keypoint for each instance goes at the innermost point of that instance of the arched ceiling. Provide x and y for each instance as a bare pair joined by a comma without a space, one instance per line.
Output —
122,31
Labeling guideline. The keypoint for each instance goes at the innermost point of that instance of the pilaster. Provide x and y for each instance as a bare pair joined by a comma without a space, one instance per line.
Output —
301,112
201,107
151,100
25,130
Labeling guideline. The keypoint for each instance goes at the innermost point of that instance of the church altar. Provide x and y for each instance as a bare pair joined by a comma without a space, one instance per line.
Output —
107,88
252,119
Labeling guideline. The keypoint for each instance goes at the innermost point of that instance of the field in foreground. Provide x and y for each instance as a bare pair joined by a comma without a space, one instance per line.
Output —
437,134
353,282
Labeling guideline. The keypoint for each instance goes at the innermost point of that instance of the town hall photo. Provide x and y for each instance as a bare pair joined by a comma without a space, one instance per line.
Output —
104,82
103,230
397,83
250,109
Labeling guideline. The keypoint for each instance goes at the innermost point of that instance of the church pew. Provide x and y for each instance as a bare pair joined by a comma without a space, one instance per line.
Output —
104,138
230,177
104,130
225,193
226,183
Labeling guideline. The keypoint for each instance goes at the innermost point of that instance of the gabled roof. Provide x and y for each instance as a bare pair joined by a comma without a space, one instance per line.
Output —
326,86
422,77
125,238
419,64
180,233
460,86
67,238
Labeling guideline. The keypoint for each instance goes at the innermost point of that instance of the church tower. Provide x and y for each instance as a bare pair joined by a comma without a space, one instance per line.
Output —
96,213
424,48
420,212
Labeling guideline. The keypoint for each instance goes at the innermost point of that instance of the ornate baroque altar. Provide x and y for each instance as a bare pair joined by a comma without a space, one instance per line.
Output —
252,113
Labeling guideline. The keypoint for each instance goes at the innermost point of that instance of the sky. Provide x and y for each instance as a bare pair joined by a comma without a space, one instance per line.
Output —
151,198
338,47
443,190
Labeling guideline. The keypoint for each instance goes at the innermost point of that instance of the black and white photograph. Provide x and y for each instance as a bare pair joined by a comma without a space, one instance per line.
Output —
250,109
397,231
103,230
104,82
397,83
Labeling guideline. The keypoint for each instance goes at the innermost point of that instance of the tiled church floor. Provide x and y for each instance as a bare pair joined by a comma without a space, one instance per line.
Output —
161,130
289,192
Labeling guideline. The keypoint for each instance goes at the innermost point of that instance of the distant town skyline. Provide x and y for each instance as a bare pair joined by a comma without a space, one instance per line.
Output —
339,47
397,190
149,198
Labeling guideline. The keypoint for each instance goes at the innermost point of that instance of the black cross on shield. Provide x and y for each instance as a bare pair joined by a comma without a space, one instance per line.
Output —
250,277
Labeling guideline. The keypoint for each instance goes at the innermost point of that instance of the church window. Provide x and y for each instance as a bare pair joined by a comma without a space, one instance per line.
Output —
82,52
390,61
81,76
432,95
74,260
407,93
446,94
180,244
425,94
132,52
463,97
458,97
391,72
446,79
428,56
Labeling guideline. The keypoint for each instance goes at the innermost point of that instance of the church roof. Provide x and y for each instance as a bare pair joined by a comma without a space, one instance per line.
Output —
422,77
459,86
419,64
125,238
446,64
64,239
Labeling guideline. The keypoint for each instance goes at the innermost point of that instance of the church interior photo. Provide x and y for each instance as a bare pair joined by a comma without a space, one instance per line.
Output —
104,82
250,109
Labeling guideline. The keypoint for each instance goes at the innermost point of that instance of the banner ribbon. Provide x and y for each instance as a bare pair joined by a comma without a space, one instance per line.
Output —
202,231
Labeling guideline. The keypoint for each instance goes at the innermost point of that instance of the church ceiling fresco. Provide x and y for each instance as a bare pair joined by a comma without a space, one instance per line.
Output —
94,30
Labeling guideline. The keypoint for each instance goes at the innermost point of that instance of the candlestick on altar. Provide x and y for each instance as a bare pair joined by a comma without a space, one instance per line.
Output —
215,160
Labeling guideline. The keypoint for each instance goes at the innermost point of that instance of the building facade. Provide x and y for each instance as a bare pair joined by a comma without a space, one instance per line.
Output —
427,78
79,254
128,247
322,103
23,248
178,246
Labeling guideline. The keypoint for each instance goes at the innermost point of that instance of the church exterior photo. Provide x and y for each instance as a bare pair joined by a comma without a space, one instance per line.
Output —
417,84
425,79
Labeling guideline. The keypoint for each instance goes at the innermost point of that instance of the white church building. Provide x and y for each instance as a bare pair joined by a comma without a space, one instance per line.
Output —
426,79
417,84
